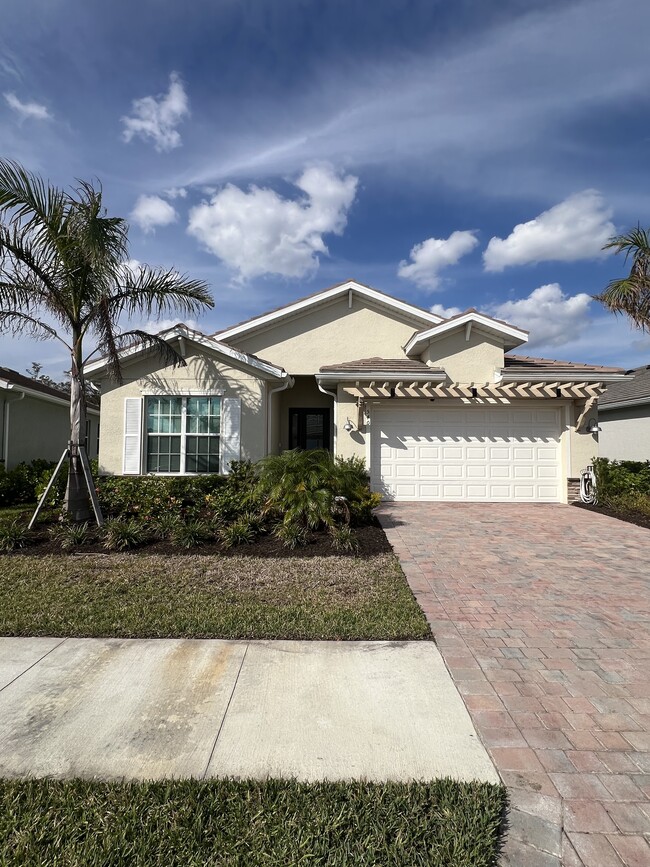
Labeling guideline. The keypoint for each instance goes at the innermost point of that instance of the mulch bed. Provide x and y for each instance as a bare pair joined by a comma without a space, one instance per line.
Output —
372,541
628,516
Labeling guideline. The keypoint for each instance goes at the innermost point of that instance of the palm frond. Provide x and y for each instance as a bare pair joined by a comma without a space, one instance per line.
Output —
112,346
634,243
631,295
32,266
146,290
18,322
30,200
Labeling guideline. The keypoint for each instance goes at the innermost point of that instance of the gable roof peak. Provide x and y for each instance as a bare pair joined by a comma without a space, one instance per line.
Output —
511,335
322,297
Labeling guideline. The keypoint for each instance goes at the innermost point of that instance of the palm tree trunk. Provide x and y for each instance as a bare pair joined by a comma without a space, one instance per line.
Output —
77,499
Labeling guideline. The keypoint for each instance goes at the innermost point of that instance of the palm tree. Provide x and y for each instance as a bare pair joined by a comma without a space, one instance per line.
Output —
64,275
631,295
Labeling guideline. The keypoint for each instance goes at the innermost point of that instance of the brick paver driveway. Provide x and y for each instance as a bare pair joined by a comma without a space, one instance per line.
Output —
542,614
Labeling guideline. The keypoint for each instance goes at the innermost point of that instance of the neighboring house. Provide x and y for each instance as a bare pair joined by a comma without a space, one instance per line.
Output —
35,420
624,416
439,409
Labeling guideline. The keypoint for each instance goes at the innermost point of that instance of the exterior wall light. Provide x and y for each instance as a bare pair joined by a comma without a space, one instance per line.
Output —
593,426
348,426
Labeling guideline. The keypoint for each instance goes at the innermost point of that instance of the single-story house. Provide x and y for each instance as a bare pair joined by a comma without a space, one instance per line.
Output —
35,421
440,409
624,417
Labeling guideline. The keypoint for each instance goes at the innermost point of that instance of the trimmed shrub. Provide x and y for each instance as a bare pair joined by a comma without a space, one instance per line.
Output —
163,527
14,535
240,532
21,485
188,497
190,534
633,503
344,540
124,535
291,534
150,497
238,496
71,536
614,478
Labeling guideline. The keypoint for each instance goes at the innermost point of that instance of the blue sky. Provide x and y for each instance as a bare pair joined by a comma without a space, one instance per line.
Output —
453,154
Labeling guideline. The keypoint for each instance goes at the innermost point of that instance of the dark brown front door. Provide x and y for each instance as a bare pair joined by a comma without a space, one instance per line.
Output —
309,429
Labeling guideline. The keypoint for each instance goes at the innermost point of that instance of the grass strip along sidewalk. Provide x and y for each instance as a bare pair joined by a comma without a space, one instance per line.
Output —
197,596
248,823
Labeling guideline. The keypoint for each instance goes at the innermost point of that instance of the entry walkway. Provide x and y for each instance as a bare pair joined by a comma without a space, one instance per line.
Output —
151,709
542,615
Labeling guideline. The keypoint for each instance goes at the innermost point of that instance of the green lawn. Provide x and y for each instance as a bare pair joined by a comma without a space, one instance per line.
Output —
248,823
205,596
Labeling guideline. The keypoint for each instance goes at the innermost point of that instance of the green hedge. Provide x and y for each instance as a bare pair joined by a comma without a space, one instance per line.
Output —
614,478
20,485
150,497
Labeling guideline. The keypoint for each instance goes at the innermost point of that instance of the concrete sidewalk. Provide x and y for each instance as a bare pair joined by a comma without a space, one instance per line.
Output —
151,709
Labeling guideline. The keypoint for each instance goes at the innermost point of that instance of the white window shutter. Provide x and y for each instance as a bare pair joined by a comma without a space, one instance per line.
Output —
132,435
230,432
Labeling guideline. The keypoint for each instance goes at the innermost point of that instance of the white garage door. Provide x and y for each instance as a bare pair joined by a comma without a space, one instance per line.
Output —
485,454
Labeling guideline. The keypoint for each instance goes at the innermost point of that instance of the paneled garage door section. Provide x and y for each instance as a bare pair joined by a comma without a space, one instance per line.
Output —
467,454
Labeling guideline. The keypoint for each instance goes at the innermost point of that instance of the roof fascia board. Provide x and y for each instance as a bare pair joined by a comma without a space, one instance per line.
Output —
201,340
483,322
437,376
378,297
7,385
623,404
552,376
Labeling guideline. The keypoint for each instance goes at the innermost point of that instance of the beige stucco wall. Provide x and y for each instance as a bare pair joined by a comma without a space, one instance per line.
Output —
38,429
625,434
332,334
352,443
583,446
466,361
203,373
304,394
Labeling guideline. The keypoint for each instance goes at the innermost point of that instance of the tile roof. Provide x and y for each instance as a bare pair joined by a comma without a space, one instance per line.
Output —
528,364
385,365
635,389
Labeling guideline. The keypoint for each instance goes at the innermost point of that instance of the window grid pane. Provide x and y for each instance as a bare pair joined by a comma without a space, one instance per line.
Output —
164,414
203,415
202,454
163,454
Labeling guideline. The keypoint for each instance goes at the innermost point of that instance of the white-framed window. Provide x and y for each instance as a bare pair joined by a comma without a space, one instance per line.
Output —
183,434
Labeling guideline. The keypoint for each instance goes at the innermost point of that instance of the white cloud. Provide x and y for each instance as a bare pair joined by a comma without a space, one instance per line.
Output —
154,326
25,110
445,312
157,118
575,229
259,232
152,211
552,317
176,193
434,254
